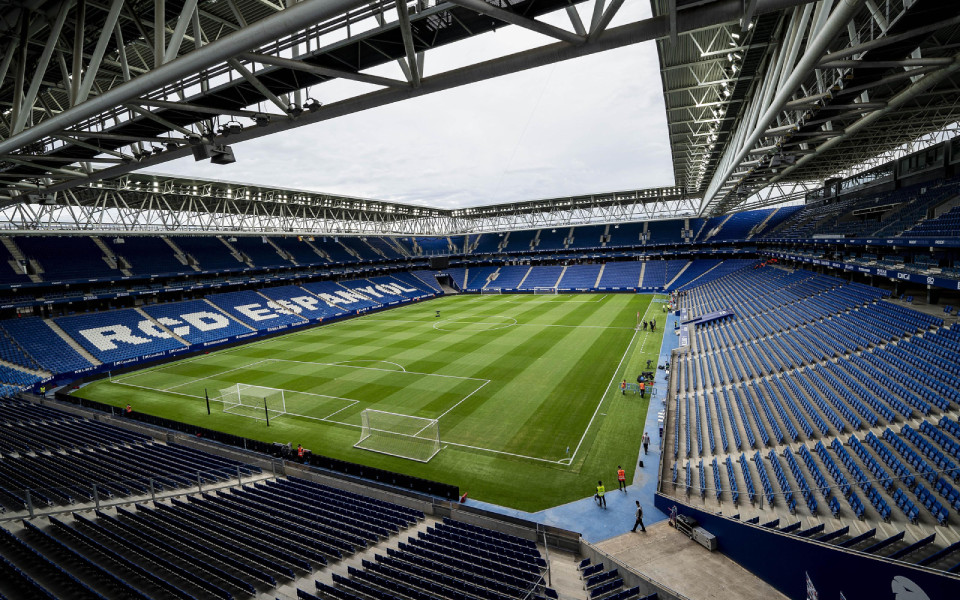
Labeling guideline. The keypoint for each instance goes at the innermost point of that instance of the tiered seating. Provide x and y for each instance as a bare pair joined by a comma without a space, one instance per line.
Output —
552,239
66,257
785,487
586,237
655,274
477,277
299,249
739,225
117,335
664,232
343,300
210,253
946,225
624,235
621,275
509,277
203,324
541,277
253,309
42,343
147,255
520,241
298,300
579,277
260,252
454,560
363,251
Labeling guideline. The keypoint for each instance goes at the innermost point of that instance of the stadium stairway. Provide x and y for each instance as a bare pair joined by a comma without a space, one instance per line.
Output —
162,327
72,342
677,276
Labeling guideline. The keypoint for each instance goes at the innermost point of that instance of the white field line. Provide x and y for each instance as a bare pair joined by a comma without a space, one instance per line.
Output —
424,322
172,387
352,403
463,399
341,363
305,362
616,372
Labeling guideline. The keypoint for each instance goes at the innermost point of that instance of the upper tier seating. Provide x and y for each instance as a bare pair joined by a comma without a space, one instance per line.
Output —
487,243
551,239
300,250
587,236
66,257
625,234
664,232
433,245
260,252
946,225
363,250
147,255
334,250
519,241
210,253
117,335
739,225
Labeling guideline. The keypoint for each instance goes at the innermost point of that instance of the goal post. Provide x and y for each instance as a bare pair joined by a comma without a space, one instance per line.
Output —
405,436
491,291
253,401
545,290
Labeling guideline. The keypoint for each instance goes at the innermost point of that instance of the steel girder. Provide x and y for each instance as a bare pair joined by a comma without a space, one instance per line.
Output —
152,203
852,80
148,111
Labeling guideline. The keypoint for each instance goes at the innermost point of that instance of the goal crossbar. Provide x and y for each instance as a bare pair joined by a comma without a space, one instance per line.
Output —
404,436
253,401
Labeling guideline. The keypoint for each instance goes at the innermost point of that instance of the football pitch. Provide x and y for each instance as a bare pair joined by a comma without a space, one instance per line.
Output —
525,388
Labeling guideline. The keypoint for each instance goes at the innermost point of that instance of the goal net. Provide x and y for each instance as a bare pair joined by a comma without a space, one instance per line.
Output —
544,290
253,401
415,438
491,291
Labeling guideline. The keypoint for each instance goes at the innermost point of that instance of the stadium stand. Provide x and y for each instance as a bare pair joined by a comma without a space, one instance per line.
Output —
621,275
259,251
86,259
542,277
579,277
251,308
99,334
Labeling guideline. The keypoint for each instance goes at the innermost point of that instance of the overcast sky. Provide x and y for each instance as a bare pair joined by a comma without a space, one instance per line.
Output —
593,124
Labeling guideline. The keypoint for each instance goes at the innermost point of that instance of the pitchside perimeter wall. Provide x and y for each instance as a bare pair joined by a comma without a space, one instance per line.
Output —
784,561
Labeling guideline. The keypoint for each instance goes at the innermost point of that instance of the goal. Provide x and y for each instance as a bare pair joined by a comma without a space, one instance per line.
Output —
253,401
406,436
544,290
491,291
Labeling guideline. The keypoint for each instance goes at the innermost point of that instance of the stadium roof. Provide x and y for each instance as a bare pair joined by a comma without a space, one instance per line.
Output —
806,93
757,92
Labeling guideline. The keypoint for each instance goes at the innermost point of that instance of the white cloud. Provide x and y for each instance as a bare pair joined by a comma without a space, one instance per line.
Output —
592,124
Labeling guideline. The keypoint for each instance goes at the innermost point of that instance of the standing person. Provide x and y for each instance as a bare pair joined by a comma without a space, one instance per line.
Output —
643,388
128,411
653,325
621,479
600,491
639,519
644,325
646,442
623,387
300,453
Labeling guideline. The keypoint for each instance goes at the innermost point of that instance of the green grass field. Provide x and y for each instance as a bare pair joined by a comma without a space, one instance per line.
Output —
525,388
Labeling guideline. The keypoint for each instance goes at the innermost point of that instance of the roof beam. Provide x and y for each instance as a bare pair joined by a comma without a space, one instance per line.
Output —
299,65
514,19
